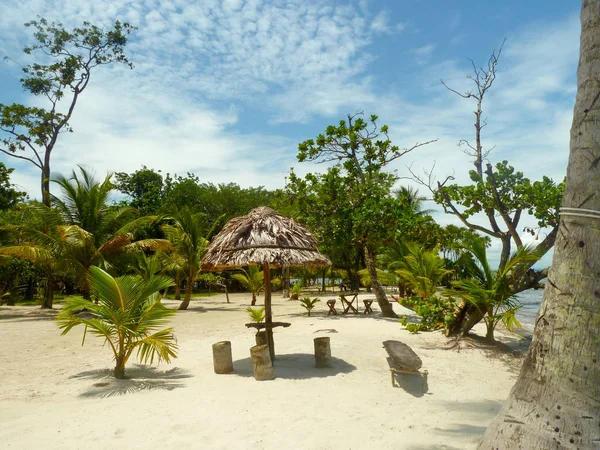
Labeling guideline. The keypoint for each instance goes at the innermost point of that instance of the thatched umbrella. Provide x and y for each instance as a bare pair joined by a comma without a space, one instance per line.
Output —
263,237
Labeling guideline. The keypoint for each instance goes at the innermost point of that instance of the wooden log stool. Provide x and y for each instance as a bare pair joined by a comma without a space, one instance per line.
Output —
261,337
261,363
222,359
322,352
368,304
332,311
402,359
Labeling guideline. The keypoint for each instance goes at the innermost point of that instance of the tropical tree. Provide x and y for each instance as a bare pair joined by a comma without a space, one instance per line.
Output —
9,196
188,233
82,231
252,279
423,270
128,315
361,150
30,133
489,291
555,402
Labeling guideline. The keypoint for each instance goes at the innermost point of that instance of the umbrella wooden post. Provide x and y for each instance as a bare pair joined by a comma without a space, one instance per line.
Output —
268,314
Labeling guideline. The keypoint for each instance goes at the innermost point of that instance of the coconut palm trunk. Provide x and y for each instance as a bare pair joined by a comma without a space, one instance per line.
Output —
189,285
380,295
556,400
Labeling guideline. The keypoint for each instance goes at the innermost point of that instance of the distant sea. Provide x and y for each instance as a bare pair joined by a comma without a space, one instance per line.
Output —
531,300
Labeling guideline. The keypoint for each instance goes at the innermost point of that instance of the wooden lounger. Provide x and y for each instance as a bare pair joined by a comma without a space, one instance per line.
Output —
402,359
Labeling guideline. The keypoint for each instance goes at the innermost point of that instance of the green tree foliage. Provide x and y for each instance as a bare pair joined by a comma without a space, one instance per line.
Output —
128,315
151,193
360,150
145,187
30,133
9,196
82,231
423,270
252,279
320,202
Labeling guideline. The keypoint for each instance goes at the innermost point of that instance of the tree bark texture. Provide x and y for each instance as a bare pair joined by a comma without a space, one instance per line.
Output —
48,292
261,363
268,312
222,359
555,403
189,285
322,352
380,295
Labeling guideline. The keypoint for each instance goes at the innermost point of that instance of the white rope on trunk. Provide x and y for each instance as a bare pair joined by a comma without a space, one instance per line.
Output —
580,212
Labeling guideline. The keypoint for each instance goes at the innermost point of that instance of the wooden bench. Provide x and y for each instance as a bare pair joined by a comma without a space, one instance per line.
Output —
402,359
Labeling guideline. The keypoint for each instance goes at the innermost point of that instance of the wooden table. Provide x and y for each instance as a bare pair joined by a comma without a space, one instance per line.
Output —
349,304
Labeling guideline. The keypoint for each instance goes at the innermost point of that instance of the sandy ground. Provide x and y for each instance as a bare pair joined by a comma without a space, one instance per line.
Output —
56,394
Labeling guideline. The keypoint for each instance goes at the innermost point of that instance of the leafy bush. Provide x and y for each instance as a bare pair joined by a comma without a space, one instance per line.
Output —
295,290
435,313
309,304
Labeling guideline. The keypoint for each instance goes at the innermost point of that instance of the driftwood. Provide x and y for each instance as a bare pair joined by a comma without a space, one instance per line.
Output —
402,359
402,355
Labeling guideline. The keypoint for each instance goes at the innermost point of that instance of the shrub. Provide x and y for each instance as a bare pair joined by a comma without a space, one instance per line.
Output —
435,313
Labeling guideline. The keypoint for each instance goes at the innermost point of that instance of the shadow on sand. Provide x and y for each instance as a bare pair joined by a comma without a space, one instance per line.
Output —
295,366
139,378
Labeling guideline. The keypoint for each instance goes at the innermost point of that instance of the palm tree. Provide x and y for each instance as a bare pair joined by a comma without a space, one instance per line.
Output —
555,402
252,279
422,269
128,316
187,236
411,201
81,232
490,292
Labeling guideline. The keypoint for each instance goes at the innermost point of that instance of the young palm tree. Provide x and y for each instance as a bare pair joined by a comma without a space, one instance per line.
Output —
252,279
129,316
423,270
490,292
188,235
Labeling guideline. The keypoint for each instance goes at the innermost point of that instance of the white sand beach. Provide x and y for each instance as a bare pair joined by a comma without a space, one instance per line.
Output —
54,393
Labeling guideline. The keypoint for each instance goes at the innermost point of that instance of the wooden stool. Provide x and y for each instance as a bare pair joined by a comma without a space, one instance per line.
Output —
368,304
331,304
222,357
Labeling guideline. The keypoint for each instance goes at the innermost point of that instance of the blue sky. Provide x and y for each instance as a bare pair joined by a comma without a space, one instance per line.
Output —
227,89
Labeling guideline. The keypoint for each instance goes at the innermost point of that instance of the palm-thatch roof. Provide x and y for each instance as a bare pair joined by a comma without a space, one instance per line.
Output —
263,236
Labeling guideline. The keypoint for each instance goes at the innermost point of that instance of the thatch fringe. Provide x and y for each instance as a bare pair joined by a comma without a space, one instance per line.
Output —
260,237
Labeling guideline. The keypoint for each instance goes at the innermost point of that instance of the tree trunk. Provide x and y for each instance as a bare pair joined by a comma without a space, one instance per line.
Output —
555,403
119,371
177,287
268,313
45,181
189,284
286,282
29,291
382,301
253,302
48,293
